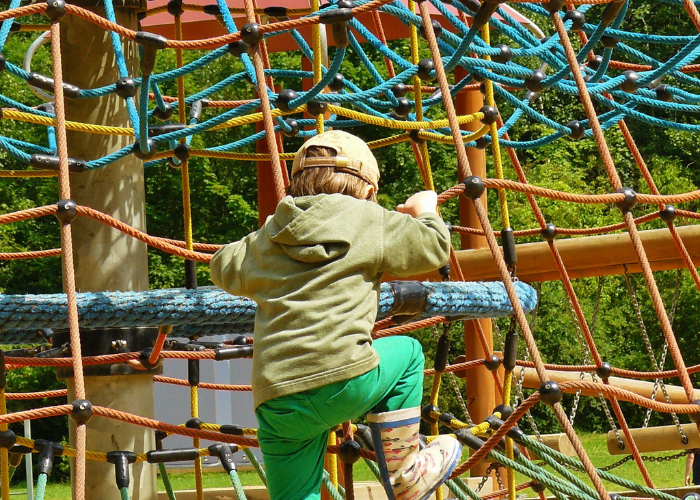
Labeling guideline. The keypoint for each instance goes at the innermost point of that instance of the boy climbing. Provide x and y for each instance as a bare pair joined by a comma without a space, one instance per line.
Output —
314,269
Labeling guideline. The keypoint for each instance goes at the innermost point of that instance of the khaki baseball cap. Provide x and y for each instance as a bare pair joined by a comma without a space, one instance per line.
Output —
352,156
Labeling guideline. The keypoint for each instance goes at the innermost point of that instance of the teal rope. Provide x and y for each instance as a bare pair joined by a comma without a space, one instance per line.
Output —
330,488
40,487
237,486
258,468
166,481
124,492
571,462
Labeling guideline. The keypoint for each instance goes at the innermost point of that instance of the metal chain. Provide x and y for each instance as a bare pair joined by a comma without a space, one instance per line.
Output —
491,468
586,360
499,479
497,331
647,458
582,343
519,396
650,351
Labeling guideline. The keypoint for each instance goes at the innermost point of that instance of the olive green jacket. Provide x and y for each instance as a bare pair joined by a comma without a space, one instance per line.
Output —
314,270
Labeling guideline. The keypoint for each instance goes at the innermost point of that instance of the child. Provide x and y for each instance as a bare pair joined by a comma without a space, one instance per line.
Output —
314,270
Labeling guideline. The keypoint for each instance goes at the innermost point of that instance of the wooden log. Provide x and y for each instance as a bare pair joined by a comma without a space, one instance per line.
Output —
641,387
651,439
584,257
559,442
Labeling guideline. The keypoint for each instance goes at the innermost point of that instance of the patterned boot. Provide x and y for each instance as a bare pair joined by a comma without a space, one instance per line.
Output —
407,473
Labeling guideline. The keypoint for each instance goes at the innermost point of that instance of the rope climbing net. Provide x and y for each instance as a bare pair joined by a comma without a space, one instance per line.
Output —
461,59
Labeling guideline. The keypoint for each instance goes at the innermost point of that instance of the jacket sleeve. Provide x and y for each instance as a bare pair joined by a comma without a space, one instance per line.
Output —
226,267
414,245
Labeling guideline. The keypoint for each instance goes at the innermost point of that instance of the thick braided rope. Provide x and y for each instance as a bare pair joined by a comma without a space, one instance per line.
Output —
67,254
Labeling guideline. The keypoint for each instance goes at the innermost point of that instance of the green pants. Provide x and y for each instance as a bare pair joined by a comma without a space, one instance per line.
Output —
293,430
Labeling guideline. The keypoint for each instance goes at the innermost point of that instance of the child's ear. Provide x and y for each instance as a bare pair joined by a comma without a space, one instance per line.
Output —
369,192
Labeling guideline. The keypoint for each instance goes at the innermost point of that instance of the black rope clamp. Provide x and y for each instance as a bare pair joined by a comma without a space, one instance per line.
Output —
121,461
165,128
484,13
443,350
49,162
225,453
151,44
410,300
7,439
509,253
47,451
338,19
243,351
466,437
46,83
231,429
174,455
510,353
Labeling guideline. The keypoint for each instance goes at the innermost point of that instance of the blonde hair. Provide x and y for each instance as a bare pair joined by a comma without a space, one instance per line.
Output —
325,180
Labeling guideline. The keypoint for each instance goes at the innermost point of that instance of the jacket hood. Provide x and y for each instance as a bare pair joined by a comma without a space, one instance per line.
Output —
312,228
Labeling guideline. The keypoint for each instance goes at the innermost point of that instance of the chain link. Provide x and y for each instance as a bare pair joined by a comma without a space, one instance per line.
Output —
582,343
650,351
519,396
586,360
647,458
491,468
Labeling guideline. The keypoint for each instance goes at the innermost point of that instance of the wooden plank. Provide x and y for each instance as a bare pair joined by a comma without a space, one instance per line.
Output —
641,387
583,257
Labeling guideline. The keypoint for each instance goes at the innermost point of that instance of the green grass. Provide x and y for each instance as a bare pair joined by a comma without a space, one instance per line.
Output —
664,474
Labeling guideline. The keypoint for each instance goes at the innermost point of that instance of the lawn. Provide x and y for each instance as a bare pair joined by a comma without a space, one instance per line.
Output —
664,474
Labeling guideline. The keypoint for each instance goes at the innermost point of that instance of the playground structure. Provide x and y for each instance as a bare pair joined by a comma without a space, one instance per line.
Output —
460,45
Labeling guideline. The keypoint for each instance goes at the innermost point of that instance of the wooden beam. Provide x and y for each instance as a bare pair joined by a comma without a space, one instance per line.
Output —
651,439
584,257
640,387
559,442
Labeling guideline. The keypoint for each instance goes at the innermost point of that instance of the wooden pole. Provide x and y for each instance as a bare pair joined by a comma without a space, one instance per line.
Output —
584,257
640,387
481,390
106,259
652,439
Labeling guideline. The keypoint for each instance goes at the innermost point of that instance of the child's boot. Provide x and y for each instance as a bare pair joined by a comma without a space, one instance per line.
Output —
407,472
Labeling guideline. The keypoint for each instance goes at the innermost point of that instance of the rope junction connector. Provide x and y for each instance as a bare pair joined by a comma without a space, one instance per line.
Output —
49,162
250,34
492,363
7,439
426,70
437,29
490,114
604,371
55,10
549,233
151,43
81,412
138,153
237,352
47,451
164,113
225,453
629,201
121,461
125,87
473,187
66,212
668,214
577,130
173,455
46,83
165,128
577,18
349,451
550,393
338,19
